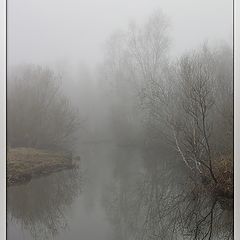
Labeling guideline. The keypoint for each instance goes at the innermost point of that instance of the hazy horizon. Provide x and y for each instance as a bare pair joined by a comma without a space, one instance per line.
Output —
43,32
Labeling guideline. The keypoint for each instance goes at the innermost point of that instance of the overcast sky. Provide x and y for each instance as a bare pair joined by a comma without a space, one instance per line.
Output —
45,31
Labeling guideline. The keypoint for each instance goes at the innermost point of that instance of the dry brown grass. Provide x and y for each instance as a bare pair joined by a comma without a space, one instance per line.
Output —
222,191
25,163
223,168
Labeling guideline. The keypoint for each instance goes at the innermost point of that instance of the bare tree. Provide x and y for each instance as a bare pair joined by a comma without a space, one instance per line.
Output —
135,66
186,104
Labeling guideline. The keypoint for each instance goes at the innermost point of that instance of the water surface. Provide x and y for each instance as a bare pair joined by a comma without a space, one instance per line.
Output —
68,204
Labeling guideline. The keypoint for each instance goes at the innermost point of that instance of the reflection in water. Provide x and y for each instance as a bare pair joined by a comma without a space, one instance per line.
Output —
151,202
39,205
128,193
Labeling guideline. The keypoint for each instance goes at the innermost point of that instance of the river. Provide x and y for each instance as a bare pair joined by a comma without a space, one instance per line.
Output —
68,204
108,198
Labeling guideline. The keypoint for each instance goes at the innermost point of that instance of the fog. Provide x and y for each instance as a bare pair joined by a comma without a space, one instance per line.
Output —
142,92
44,32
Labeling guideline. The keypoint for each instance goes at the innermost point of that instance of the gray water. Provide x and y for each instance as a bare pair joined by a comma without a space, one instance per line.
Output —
69,204
106,199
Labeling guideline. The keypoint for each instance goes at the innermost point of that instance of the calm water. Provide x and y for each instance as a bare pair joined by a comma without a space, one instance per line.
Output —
69,204
108,198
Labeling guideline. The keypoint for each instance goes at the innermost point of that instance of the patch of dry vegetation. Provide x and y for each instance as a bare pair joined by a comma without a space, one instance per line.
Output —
224,174
25,163
222,190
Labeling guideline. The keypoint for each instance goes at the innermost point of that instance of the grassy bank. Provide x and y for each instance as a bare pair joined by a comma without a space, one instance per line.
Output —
23,164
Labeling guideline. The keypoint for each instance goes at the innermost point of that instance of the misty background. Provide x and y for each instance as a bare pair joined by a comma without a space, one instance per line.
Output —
71,37
43,32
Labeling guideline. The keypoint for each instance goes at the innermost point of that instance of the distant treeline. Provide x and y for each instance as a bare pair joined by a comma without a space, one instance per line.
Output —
38,113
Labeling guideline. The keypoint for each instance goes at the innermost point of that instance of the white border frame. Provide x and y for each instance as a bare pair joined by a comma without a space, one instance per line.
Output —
236,119
3,14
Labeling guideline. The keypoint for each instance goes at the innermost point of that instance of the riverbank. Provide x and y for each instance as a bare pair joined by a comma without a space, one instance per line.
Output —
23,164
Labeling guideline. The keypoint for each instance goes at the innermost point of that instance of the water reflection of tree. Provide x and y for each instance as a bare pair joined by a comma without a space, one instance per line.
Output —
156,203
39,206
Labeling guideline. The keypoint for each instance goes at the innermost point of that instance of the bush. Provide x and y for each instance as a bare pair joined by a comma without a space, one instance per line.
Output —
38,113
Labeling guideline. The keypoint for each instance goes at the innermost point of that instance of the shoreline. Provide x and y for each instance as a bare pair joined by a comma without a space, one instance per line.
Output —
24,164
